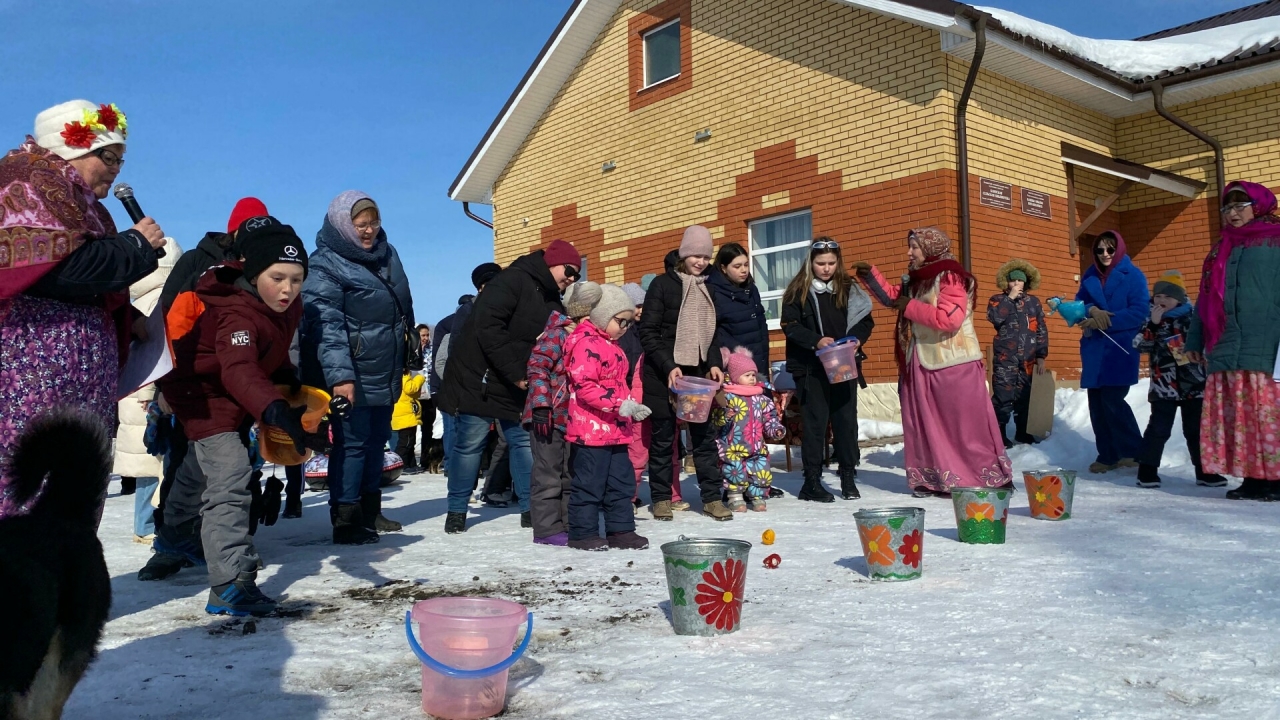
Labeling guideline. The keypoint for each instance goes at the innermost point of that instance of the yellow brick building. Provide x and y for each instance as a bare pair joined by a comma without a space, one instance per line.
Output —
775,118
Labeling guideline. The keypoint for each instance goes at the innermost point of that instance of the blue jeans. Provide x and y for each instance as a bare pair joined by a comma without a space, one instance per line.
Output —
1114,427
355,463
143,514
469,435
447,443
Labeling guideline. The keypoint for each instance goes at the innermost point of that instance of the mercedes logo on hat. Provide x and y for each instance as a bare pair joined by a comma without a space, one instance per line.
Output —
291,251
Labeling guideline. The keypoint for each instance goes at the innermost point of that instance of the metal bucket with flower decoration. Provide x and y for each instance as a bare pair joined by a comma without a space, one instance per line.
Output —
981,514
706,578
892,542
1050,492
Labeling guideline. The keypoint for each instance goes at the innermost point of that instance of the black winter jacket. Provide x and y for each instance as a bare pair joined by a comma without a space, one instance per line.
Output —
441,336
658,336
489,352
213,249
800,325
740,320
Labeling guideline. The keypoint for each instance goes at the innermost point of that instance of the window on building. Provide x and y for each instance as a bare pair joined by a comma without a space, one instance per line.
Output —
662,53
779,248
582,271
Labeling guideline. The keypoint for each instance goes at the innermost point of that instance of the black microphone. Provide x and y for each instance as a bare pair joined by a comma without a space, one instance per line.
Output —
124,194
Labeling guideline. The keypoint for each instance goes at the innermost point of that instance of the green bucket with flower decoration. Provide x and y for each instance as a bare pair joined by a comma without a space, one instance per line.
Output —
1050,492
706,578
981,514
892,542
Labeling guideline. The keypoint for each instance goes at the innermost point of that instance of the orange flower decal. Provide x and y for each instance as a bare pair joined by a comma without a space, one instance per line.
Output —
877,545
980,511
1045,497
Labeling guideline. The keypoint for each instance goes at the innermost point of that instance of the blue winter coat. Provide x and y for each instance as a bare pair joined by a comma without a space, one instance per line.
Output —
353,327
740,320
1125,296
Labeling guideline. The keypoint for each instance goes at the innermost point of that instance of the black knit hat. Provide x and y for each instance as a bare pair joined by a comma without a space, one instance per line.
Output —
264,241
483,273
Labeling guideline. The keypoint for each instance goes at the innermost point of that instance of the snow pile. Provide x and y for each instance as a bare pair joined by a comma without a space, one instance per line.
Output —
1137,59
878,429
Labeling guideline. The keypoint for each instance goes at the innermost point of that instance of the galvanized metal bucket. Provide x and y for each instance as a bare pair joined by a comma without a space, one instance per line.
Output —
1050,492
892,542
706,578
981,514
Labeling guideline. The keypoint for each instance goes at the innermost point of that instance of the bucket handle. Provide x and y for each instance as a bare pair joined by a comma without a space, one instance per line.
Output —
454,672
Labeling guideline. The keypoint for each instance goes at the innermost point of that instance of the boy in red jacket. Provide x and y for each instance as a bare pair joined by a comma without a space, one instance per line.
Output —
225,370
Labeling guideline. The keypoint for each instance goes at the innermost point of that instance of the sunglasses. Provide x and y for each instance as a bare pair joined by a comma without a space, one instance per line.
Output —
1235,207
624,323
572,273
826,245
1104,250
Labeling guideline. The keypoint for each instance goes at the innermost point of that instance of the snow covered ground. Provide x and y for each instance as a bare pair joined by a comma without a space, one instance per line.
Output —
1146,604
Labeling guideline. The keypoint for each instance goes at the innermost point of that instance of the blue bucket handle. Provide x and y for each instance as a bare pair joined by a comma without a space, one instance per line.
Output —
454,672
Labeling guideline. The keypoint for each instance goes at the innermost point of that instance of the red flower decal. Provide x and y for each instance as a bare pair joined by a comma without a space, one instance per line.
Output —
910,549
719,595
77,134
107,116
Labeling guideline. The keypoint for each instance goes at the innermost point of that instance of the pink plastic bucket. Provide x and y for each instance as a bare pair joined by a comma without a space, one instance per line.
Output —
694,397
466,652
840,360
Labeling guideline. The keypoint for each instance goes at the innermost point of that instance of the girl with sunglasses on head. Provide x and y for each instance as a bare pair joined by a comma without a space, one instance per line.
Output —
822,305
678,335
948,423
1115,293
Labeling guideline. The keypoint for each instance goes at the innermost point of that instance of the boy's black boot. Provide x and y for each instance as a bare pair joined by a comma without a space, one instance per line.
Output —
1148,477
849,484
348,526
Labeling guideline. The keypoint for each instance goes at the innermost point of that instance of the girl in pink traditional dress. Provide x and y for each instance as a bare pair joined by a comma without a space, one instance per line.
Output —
1236,330
950,429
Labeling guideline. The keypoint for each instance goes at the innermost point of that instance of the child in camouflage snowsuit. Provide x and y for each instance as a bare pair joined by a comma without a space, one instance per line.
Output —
744,418
1020,347
1177,383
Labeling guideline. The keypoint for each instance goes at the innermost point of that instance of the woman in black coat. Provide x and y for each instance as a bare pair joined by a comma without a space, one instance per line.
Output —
740,320
678,335
822,305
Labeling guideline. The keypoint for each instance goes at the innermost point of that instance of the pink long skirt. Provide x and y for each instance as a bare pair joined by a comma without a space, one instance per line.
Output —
1240,426
950,429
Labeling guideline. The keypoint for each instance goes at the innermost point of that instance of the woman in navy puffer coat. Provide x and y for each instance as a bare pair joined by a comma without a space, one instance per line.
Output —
740,320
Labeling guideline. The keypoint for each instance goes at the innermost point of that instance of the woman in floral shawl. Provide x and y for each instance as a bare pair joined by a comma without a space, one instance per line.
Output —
65,318
1237,328
950,428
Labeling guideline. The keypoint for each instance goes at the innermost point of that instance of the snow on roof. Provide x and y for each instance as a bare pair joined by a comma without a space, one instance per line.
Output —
1144,59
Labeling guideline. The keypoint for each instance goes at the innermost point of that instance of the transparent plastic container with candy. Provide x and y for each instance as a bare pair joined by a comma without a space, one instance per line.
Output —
840,360
694,397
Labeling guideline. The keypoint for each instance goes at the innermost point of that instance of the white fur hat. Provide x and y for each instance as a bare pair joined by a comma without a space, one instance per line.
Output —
613,301
85,125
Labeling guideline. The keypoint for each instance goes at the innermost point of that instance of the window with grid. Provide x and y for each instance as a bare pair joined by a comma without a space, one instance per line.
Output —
662,53
779,249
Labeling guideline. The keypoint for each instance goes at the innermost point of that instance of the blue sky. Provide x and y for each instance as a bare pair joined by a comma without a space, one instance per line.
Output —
294,102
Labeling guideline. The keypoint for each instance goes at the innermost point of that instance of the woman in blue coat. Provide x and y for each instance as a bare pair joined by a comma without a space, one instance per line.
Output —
740,320
1115,293
356,329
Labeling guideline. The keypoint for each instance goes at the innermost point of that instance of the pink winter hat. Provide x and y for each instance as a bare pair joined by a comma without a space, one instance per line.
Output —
738,363
696,242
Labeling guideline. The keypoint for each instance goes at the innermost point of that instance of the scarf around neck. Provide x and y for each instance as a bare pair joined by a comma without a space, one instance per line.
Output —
696,325
921,280
1263,230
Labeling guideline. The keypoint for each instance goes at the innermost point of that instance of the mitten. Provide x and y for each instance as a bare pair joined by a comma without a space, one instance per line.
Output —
278,414
271,501
634,410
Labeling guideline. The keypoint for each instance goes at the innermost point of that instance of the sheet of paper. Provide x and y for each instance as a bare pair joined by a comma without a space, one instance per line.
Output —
148,359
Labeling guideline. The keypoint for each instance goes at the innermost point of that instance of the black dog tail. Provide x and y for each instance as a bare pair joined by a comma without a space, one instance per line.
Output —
70,448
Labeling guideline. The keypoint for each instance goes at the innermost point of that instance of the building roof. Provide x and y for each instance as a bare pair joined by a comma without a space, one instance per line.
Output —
1218,55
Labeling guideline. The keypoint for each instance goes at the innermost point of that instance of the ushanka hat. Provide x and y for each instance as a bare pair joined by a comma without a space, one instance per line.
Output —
76,128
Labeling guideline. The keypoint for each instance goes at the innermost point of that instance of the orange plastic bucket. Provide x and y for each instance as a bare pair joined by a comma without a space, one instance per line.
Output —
274,444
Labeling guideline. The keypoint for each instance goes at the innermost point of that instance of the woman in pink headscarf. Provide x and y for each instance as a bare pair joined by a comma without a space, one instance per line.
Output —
1237,328
951,435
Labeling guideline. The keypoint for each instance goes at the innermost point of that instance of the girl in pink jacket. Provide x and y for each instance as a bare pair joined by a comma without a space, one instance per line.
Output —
601,413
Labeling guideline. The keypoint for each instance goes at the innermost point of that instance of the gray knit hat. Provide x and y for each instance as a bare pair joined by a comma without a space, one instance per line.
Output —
635,292
613,301
696,241
580,299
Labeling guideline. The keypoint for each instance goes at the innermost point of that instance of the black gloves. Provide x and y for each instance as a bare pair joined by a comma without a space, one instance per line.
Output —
271,501
278,414
339,406
542,424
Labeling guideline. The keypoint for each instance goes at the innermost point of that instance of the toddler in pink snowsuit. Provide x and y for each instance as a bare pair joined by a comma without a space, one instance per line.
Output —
601,414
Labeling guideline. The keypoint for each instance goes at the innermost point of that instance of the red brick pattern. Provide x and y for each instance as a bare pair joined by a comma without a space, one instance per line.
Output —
637,26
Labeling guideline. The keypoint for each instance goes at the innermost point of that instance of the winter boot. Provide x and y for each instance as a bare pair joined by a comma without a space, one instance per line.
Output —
628,541
717,511
592,543
163,565
1026,439
736,502
680,505
662,510
292,506
240,597
813,490
560,539
849,484
1274,488
1250,489
349,527
1148,477
371,510
1213,480
181,540
526,519
455,522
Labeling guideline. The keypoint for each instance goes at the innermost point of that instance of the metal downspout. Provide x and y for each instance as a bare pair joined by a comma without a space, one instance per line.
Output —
962,138
466,208
1157,93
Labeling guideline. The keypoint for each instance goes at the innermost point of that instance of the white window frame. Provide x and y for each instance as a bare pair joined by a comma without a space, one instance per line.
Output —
775,324
644,62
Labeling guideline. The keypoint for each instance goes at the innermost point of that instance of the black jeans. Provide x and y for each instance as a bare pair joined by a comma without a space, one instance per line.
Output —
428,423
705,458
822,403
293,480
1160,428
406,439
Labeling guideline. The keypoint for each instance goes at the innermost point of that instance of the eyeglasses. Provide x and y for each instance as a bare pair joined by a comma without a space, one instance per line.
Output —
110,158
624,323
1104,250
374,226
1235,207
572,273
826,245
